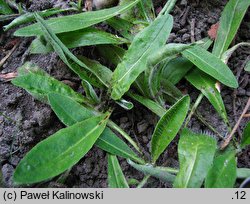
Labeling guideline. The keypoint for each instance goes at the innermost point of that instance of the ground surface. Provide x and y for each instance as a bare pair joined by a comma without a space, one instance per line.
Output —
29,121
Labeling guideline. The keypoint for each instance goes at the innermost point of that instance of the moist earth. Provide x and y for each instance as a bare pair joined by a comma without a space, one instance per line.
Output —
25,121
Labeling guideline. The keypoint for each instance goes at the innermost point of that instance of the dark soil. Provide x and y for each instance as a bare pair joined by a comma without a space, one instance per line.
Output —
25,121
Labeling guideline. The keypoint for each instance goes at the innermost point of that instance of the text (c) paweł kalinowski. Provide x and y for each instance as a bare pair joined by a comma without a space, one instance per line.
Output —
61,195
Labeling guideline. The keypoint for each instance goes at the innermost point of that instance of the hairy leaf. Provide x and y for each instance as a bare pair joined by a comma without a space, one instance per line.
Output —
223,172
168,126
211,65
60,151
134,62
116,178
196,153
76,21
230,21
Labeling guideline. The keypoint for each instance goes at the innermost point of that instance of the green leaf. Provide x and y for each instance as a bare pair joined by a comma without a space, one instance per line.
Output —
230,21
29,17
116,178
122,26
223,172
161,173
76,21
103,73
127,105
226,55
207,86
211,65
79,38
196,154
168,126
68,58
151,105
177,68
111,53
246,136
243,173
4,8
247,67
70,112
60,151
90,92
39,84
134,62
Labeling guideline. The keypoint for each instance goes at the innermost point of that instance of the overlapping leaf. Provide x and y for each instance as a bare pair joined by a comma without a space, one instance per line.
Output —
207,86
70,112
79,38
76,21
135,60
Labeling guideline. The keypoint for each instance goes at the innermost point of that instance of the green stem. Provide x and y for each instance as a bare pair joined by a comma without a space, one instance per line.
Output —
145,15
168,7
112,125
195,106
144,181
79,5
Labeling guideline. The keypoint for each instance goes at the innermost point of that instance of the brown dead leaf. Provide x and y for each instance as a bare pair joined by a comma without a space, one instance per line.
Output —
212,33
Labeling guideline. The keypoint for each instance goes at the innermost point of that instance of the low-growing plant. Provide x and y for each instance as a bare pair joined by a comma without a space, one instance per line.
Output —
146,72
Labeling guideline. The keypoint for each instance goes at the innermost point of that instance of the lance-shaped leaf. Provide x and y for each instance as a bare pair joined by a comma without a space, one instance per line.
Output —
207,86
60,151
135,60
211,65
196,153
76,21
29,17
168,126
39,84
116,178
79,38
163,173
4,8
223,172
246,136
230,22
70,112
